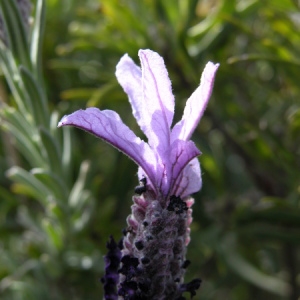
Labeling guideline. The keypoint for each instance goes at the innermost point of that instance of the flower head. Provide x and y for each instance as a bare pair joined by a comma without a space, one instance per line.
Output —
168,160
149,262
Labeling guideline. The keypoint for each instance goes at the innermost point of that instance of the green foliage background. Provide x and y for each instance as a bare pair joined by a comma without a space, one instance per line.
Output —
62,192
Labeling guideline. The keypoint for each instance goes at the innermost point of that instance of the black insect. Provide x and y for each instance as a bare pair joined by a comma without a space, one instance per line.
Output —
177,204
140,189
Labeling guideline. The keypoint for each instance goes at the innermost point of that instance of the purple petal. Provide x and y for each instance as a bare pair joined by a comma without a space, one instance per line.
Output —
129,76
196,105
108,126
182,152
158,100
189,181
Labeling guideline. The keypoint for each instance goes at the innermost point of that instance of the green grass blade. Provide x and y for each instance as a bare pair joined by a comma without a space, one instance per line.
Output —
10,70
53,182
37,39
25,146
37,189
36,97
52,149
16,32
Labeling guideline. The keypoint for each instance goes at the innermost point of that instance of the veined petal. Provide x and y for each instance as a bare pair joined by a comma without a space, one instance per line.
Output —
129,76
189,181
108,126
158,100
182,152
196,105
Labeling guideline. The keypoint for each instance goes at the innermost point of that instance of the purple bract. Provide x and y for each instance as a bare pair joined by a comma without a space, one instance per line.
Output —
168,159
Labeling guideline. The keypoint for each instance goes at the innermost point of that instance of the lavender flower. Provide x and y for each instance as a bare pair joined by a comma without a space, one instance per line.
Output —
153,250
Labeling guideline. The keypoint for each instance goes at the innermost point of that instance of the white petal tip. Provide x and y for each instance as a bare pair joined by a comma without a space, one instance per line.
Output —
62,122
124,58
212,66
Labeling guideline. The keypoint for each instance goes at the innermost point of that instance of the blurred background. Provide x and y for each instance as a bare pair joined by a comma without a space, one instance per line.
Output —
54,224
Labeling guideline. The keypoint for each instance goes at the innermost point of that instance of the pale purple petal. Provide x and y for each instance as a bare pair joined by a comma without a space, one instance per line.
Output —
169,159
108,126
189,180
182,152
129,76
196,105
158,100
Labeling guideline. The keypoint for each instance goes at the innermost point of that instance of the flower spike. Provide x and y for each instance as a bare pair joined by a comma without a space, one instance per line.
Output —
151,262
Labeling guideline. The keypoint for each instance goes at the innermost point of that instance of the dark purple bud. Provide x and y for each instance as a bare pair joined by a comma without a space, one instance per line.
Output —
191,287
144,286
130,261
145,260
181,227
186,263
128,290
112,264
149,237
139,245
129,267
176,204
178,247
124,231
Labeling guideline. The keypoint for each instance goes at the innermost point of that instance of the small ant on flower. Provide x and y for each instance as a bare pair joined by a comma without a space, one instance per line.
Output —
140,189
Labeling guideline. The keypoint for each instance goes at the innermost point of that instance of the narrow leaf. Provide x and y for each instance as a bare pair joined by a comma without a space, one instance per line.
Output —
52,149
25,146
16,32
36,97
53,182
37,39
39,191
